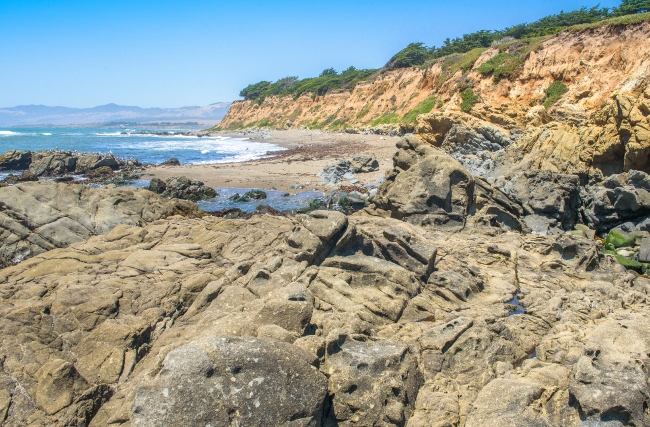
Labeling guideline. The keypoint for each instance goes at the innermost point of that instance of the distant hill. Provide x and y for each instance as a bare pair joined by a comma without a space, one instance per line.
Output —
40,114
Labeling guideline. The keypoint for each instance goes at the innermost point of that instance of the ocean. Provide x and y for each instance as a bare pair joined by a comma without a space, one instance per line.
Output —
147,148
128,144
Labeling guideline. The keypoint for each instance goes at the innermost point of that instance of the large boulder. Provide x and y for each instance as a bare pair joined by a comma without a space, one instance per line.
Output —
88,162
182,187
232,381
551,201
372,383
53,163
618,199
36,217
430,189
15,160
610,382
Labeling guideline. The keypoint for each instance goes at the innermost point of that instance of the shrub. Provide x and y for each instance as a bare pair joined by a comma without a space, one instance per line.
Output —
424,107
458,62
630,7
469,100
413,55
328,80
554,92
501,66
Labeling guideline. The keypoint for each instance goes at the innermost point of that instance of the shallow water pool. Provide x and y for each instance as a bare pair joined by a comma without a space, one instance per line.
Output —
279,200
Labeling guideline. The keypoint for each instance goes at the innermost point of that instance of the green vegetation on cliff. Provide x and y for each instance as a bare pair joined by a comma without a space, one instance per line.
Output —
417,54
459,54
554,93
469,100
467,49
327,81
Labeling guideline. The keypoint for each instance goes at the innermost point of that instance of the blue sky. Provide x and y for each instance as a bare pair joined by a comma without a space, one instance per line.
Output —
174,53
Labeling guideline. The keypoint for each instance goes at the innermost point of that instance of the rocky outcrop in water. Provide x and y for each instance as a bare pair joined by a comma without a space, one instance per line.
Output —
182,187
15,160
12,179
171,162
59,163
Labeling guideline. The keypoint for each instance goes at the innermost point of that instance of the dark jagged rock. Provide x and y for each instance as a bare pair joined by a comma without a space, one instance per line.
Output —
364,164
171,162
56,163
430,189
182,187
618,199
102,172
248,196
23,177
15,160
551,201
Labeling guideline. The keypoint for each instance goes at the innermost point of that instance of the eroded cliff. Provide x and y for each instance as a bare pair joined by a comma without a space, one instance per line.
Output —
573,102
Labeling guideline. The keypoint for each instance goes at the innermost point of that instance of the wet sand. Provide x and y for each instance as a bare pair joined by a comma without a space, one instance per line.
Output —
307,152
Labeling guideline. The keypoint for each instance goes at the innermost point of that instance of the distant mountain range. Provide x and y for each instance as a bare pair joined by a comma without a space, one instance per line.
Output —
30,115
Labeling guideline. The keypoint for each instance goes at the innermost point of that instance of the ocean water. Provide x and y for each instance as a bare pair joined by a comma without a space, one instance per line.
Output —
156,149
146,148
280,200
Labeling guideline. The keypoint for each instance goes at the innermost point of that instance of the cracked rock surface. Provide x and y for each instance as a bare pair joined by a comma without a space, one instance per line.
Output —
322,320
36,217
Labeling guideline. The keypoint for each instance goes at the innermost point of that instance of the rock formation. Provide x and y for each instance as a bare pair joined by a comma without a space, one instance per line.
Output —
15,160
430,189
182,187
56,163
36,217
325,319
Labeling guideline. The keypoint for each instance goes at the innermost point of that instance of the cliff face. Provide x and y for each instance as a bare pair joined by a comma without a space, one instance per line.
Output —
599,121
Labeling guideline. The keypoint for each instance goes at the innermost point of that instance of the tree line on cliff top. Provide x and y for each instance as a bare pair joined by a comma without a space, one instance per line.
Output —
418,54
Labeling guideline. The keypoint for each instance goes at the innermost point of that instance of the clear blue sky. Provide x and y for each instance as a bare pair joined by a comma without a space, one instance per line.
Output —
168,53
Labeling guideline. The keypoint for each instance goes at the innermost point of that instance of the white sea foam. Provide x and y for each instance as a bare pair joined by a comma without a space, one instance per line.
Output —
110,134
225,149
8,133
46,134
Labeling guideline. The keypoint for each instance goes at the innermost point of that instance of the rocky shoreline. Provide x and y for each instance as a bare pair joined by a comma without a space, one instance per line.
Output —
434,305
68,166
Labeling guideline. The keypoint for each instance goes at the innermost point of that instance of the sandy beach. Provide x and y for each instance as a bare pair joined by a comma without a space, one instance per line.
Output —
307,152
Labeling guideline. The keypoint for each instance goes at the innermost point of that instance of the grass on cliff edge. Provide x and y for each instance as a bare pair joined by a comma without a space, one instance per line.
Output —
612,22
554,92
469,100
425,106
